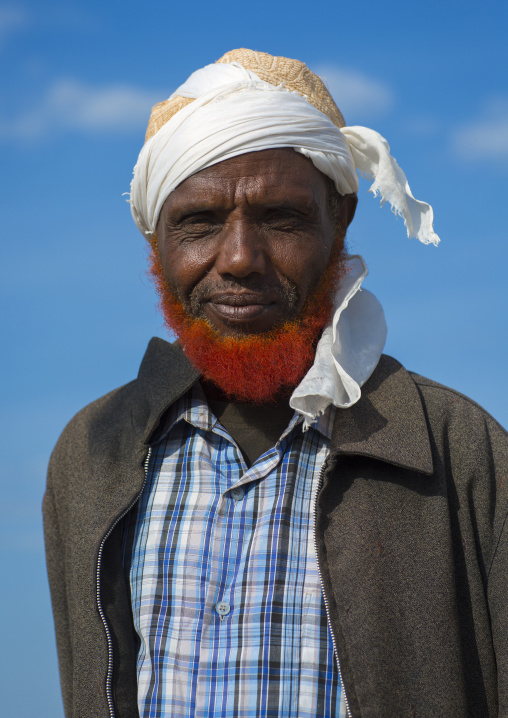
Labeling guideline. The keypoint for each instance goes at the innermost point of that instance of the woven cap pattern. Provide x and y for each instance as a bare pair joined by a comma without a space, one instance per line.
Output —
292,74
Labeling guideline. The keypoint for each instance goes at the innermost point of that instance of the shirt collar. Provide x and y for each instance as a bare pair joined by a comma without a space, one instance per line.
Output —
324,423
193,408
387,423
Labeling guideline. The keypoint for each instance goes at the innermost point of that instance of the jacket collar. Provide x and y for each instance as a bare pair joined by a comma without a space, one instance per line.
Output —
387,423
164,376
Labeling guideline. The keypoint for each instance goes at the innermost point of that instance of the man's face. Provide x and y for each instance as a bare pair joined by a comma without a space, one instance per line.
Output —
244,243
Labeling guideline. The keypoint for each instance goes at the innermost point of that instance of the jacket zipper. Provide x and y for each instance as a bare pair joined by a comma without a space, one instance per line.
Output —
318,488
109,675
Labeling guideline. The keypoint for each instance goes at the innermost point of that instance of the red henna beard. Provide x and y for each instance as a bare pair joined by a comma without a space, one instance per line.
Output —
252,368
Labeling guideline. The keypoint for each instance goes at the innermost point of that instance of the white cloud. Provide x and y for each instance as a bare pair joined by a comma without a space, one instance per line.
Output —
484,139
357,95
71,105
422,126
12,18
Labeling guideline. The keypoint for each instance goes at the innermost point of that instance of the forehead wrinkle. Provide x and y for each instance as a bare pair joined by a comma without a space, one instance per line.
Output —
278,178
258,193
200,196
253,191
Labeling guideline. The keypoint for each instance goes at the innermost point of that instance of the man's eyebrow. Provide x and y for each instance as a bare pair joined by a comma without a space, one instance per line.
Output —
192,208
299,203
302,205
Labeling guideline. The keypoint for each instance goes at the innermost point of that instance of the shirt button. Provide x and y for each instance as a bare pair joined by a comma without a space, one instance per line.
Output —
237,493
223,608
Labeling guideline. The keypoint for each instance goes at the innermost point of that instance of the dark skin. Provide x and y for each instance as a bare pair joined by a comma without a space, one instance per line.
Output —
243,243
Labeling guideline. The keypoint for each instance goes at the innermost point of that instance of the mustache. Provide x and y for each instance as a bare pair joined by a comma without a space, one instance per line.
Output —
285,291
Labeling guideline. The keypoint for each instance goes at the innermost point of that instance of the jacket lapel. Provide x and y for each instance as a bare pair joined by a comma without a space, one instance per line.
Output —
388,423
164,376
384,547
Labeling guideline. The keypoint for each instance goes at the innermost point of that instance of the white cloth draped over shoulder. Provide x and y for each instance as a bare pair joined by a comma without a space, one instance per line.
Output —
348,351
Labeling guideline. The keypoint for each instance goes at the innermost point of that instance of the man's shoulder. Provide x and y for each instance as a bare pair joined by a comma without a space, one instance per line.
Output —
435,397
458,428
132,408
450,404
112,404
410,421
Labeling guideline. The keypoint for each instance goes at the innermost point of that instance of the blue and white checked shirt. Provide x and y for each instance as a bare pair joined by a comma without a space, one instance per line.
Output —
225,588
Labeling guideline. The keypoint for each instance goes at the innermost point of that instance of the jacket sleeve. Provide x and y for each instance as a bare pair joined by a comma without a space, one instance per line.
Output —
471,449
55,560
486,448
498,569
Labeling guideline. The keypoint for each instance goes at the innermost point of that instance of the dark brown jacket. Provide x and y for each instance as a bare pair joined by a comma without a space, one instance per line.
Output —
411,532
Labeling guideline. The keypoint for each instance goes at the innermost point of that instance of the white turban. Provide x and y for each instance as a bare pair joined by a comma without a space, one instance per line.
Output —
234,112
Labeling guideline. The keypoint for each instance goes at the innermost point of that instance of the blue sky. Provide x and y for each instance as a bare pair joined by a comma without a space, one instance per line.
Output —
78,82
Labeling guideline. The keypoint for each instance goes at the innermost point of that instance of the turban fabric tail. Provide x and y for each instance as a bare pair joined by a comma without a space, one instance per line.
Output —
235,112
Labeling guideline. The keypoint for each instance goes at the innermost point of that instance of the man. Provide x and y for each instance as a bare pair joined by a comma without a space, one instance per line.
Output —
274,519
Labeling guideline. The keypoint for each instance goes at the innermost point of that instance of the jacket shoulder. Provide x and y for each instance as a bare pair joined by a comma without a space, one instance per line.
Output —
113,403
98,416
109,425
448,403
471,447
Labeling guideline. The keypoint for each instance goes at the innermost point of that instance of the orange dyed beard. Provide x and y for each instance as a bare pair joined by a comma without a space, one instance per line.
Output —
252,368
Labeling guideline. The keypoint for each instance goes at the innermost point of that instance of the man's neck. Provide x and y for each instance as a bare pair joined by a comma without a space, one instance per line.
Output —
254,427
215,393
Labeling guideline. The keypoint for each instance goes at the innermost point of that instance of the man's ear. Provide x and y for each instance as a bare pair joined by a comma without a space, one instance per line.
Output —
349,203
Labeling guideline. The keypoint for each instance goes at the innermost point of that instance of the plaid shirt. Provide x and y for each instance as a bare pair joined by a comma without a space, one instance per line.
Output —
224,581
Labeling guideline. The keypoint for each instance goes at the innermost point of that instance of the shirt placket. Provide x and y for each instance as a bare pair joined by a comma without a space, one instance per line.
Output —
232,528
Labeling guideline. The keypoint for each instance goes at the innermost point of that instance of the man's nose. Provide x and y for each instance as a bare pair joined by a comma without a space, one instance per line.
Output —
241,251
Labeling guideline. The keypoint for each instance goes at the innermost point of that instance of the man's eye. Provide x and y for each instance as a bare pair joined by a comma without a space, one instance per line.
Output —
198,223
283,219
197,219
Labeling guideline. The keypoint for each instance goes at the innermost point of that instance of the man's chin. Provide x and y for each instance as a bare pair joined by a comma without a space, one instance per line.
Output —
236,330
253,368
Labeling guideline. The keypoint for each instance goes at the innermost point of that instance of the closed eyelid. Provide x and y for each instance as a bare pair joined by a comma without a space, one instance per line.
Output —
193,216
